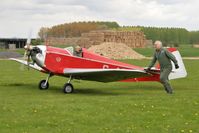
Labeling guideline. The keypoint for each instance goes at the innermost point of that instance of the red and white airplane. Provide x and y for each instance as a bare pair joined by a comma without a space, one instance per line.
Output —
93,67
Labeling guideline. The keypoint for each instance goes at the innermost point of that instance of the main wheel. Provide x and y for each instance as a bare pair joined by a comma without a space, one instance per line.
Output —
43,86
68,88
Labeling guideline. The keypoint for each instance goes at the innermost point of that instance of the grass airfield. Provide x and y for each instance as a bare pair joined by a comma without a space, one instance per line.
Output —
97,107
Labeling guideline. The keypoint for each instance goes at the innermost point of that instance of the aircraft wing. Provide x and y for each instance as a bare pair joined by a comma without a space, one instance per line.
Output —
35,66
153,70
105,75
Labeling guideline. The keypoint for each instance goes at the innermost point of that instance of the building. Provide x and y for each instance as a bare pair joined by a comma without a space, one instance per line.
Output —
6,43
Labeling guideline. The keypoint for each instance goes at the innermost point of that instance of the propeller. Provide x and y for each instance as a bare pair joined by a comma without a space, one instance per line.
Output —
27,53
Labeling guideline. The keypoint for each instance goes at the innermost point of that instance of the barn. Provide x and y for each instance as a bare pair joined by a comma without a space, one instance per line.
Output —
12,43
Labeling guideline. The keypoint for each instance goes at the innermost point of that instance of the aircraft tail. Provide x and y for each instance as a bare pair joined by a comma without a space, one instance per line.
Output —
181,71
155,71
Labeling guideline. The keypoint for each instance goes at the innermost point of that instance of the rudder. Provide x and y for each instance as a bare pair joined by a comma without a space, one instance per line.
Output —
181,71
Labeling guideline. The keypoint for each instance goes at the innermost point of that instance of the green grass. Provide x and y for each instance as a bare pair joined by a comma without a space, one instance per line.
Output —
148,52
184,51
96,107
189,52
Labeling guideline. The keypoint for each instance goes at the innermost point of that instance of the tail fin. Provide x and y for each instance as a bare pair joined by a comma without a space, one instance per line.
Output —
181,71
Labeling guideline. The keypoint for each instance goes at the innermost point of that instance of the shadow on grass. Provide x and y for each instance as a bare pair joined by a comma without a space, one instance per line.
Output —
12,84
95,92
119,90
113,91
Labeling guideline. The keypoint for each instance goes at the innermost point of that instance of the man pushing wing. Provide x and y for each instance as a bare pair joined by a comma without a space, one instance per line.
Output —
164,58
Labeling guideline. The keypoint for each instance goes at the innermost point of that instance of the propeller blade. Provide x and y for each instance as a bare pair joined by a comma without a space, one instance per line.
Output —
27,48
24,58
28,61
29,38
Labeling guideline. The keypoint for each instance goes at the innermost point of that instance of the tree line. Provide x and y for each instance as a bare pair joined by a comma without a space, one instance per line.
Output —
75,29
172,36
169,36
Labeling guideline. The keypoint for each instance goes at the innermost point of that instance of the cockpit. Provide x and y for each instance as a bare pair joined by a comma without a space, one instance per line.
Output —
77,51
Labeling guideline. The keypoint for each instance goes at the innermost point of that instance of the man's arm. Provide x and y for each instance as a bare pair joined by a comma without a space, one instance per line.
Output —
172,57
153,61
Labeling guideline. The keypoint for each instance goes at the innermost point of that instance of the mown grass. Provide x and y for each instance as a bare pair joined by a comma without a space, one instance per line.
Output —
148,52
96,107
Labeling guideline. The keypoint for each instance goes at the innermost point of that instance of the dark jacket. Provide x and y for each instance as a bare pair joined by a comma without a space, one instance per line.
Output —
164,57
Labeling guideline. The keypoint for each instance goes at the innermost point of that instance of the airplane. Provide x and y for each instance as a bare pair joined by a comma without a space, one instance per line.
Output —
90,66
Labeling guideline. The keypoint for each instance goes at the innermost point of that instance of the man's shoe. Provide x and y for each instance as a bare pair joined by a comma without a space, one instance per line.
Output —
170,92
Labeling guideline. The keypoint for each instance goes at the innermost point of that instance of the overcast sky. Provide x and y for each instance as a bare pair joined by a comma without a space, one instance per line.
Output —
19,17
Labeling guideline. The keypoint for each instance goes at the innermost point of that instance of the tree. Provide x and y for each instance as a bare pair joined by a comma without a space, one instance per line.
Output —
43,33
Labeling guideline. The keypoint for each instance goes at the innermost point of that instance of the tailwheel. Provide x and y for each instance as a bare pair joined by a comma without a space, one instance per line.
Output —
68,88
43,85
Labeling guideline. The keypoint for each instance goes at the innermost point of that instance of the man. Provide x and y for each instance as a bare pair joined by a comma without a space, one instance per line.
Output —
164,58
78,51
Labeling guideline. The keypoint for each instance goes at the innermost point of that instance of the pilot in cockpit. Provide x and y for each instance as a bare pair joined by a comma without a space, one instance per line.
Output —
78,51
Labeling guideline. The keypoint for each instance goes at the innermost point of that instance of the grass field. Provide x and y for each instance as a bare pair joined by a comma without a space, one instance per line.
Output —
96,107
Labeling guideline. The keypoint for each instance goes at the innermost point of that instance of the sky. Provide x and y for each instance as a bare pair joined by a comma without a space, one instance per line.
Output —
20,17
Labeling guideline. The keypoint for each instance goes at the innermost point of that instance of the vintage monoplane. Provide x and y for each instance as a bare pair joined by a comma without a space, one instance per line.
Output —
90,66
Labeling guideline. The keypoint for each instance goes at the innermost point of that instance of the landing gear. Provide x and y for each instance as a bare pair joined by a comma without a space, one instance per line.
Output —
43,84
68,87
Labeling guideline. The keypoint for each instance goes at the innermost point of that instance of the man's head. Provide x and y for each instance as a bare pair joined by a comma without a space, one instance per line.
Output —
158,45
77,48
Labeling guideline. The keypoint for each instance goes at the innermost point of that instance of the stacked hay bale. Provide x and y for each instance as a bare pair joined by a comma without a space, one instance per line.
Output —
91,38
84,42
63,40
133,39
115,51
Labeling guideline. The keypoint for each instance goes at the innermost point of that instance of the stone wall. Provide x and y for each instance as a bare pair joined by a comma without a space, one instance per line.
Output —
133,39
